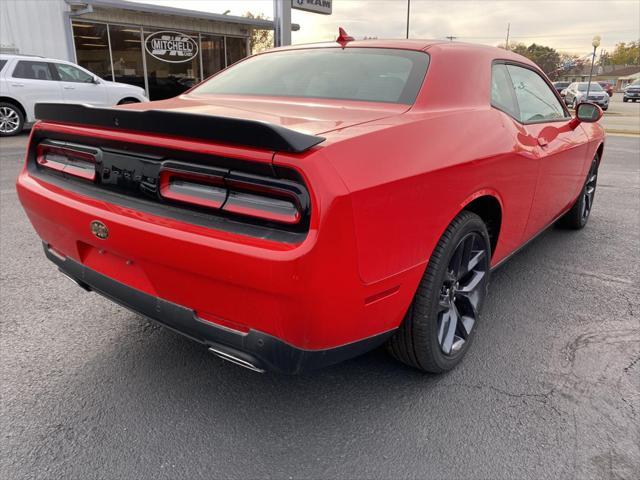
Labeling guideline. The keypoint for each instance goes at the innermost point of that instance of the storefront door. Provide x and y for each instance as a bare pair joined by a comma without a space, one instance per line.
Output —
173,62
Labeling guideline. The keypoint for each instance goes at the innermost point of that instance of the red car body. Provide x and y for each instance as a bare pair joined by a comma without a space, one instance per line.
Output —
382,188
607,87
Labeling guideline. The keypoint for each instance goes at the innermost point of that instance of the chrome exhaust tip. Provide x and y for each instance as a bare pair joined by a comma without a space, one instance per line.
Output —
83,286
238,361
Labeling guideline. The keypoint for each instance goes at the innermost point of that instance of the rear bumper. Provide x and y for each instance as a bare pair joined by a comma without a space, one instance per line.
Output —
253,348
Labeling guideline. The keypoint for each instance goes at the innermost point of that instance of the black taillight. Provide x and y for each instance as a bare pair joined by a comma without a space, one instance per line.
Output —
263,198
67,160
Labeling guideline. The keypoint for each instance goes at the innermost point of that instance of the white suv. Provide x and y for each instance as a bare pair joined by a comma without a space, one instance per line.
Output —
27,80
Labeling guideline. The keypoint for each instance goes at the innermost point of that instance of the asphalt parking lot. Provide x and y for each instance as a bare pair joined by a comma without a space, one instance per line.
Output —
622,117
550,389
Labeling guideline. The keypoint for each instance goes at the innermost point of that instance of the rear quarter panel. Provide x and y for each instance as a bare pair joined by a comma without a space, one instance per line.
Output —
410,179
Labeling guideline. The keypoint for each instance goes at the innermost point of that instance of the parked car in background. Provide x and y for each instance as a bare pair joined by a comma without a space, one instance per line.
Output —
312,202
607,87
27,80
560,87
631,92
576,93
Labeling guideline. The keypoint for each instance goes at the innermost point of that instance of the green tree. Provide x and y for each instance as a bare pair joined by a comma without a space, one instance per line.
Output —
547,58
261,40
626,54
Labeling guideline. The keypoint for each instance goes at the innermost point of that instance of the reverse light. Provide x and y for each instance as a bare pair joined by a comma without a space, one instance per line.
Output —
67,160
262,198
196,189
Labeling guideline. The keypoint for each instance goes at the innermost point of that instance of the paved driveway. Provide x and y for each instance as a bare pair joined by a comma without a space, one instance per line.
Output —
550,389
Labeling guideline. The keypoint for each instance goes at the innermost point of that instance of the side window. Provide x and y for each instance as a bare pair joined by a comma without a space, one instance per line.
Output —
536,101
69,73
502,94
2,64
32,70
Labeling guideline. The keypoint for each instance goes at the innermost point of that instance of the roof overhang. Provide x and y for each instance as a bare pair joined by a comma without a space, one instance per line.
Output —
255,23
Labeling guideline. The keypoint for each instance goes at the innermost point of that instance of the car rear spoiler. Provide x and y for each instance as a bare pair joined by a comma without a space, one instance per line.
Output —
237,131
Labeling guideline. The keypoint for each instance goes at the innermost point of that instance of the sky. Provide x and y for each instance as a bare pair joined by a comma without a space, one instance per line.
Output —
566,25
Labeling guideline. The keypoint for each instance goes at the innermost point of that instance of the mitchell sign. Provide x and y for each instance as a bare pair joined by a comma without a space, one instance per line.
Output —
171,47
315,6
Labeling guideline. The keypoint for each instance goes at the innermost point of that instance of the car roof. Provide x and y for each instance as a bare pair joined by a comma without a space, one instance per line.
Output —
404,44
432,46
372,43
24,56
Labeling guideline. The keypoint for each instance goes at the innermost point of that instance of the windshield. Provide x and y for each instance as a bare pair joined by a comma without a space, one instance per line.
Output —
366,74
593,88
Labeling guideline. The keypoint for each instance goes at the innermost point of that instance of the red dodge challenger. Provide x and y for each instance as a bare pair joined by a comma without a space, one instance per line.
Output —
314,202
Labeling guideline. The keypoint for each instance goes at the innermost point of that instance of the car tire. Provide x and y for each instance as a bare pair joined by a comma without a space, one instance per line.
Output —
625,99
11,120
578,216
442,319
604,109
126,101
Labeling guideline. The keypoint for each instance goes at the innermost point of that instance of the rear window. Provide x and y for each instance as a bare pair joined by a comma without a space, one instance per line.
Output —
32,70
593,88
366,74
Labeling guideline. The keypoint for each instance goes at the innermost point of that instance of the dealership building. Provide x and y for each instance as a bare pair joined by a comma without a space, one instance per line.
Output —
162,49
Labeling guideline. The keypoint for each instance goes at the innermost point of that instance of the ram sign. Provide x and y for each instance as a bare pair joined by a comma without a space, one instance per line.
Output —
315,6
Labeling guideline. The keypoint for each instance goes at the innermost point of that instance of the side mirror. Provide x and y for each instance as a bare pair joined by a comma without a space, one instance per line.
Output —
96,80
588,112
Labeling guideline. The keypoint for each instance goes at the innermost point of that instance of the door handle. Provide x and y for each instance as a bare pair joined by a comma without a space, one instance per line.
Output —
17,84
69,88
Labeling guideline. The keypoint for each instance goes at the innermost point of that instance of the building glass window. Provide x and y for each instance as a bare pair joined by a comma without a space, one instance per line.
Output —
212,51
184,59
236,49
92,48
169,73
126,51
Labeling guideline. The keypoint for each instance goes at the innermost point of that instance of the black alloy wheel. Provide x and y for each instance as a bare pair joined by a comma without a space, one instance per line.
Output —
442,320
589,192
577,217
461,293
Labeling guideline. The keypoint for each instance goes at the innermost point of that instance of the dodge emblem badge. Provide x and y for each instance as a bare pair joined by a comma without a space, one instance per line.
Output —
99,229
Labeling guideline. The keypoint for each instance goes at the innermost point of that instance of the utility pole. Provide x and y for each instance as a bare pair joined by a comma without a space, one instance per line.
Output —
408,11
451,37
506,43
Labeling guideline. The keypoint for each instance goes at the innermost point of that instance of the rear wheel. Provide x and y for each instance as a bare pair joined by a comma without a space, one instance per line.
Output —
578,216
625,99
126,101
440,324
11,120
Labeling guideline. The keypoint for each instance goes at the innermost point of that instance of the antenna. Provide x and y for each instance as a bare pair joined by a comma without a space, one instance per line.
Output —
451,37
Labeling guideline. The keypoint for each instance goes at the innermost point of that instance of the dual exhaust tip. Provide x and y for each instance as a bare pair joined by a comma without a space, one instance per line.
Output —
219,353
234,359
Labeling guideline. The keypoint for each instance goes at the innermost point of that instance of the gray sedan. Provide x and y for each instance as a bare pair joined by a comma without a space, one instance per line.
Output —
576,93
